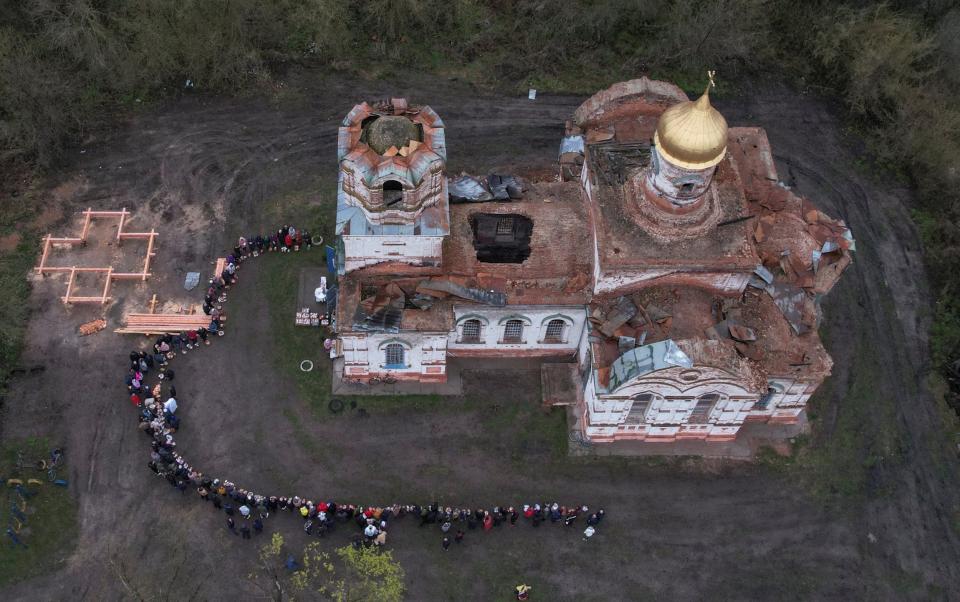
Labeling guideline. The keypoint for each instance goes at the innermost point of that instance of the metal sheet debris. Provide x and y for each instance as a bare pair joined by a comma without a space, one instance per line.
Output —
473,294
789,300
618,316
191,281
764,274
495,187
467,189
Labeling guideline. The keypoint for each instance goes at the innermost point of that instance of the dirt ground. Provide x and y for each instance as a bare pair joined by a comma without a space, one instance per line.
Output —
204,170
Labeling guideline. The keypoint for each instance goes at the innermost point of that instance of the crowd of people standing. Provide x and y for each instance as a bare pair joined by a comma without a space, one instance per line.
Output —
159,420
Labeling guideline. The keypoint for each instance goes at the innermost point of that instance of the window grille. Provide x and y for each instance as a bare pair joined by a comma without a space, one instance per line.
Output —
471,331
513,331
394,355
554,331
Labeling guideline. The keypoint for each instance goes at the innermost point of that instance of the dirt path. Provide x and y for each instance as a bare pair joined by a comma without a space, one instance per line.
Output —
205,170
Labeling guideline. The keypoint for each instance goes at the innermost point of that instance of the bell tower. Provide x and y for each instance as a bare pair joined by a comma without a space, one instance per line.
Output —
392,204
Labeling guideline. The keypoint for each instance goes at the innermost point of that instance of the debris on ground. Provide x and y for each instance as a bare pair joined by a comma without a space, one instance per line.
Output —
91,327
494,187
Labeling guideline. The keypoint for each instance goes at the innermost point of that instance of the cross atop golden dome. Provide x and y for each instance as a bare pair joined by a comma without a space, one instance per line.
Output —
692,134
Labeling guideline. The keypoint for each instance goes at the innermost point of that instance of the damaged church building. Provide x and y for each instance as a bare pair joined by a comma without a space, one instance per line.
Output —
669,281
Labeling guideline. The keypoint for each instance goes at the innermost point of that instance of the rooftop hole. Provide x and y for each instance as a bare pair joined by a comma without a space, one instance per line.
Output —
501,238
380,133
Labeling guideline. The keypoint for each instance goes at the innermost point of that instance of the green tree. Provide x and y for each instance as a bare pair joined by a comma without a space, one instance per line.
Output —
368,574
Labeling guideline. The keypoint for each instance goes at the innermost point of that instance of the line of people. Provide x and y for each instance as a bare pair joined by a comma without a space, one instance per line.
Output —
159,420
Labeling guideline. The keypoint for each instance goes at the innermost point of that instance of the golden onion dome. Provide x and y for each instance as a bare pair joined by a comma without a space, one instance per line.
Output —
692,134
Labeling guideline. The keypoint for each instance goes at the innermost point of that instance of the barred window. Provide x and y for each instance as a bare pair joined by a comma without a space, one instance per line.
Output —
513,331
394,355
505,225
471,331
554,331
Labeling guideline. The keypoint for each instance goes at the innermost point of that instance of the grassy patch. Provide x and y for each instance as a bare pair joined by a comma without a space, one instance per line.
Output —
51,517
14,265
847,463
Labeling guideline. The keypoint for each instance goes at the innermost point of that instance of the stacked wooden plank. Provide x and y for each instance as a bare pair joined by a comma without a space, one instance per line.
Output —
163,323
221,265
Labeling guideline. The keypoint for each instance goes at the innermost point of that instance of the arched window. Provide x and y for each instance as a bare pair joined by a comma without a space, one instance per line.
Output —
554,333
701,411
392,192
513,331
393,356
638,411
471,331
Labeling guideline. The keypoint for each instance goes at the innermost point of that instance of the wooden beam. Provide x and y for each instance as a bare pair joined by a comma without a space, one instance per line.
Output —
150,253
123,217
73,273
43,256
106,286
153,303
86,223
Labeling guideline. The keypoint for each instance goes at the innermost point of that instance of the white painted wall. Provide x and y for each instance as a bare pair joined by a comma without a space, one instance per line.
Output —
362,251
424,353
721,282
535,318
668,412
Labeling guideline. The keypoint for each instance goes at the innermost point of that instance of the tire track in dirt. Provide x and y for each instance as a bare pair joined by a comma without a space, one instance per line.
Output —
738,527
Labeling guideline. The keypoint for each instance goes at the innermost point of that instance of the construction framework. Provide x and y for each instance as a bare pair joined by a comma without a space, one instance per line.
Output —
88,216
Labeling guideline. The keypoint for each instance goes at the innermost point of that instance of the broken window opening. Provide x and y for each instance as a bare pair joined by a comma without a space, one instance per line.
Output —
392,193
501,238
393,356
471,331
764,402
638,411
513,331
701,412
554,332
